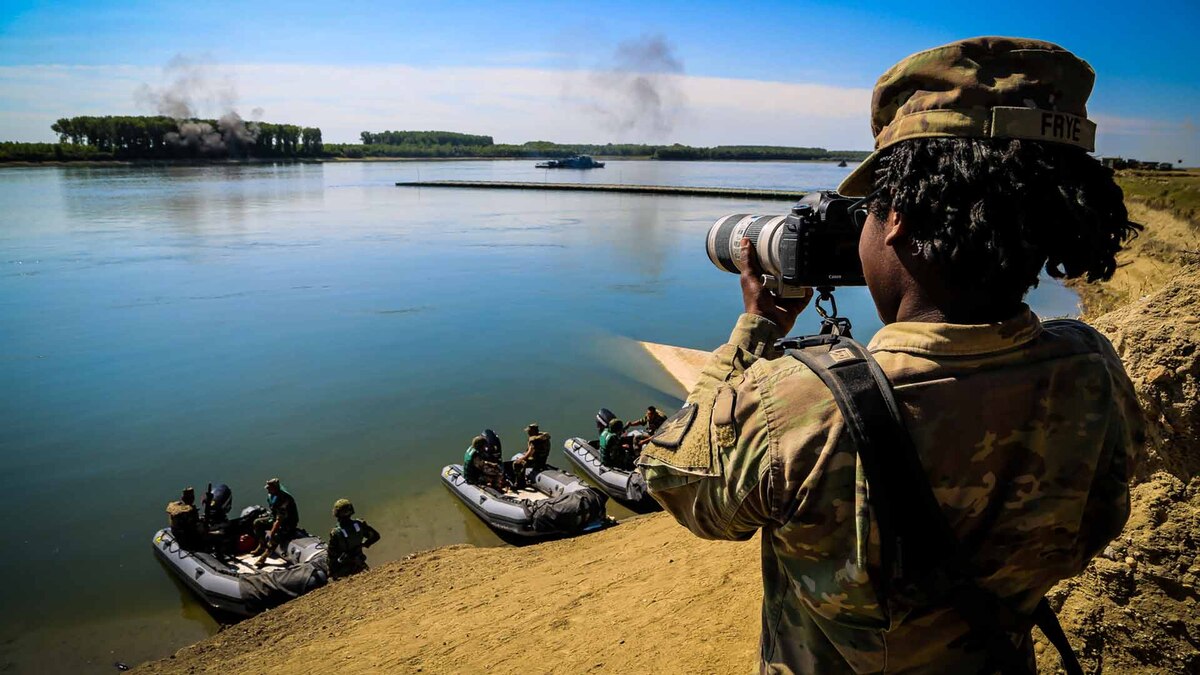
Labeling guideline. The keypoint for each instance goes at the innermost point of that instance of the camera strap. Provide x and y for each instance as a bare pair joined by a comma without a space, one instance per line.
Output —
924,562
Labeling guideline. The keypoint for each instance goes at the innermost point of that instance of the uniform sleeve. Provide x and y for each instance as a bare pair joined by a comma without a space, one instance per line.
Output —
709,464
370,535
1108,504
337,545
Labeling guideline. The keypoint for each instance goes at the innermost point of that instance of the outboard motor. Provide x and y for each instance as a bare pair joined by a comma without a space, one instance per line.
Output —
493,444
217,504
603,418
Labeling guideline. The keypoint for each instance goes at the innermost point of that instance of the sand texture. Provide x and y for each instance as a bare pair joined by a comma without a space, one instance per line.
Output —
642,596
681,363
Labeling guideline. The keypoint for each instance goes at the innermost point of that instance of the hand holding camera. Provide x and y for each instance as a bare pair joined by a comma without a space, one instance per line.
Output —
760,300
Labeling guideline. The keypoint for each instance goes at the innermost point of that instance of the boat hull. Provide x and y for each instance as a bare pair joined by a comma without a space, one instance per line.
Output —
626,486
514,513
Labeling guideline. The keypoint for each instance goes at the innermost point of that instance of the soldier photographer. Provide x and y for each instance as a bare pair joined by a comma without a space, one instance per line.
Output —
1027,431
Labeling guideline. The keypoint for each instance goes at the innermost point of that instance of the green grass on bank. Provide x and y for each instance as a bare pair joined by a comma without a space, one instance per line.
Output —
1177,192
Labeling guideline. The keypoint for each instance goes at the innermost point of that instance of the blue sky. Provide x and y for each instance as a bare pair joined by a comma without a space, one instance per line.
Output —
1145,59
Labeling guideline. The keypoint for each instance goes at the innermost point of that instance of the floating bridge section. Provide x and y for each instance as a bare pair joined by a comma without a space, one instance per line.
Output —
736,193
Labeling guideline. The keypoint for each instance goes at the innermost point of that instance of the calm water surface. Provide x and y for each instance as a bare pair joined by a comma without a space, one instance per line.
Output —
164,327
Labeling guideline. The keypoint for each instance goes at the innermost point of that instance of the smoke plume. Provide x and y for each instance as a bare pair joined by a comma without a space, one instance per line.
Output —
639,94
193,88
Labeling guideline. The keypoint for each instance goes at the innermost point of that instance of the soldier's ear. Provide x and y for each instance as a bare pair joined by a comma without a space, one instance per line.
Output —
895,228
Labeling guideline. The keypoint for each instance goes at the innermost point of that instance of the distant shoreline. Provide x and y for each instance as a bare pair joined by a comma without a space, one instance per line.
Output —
342,160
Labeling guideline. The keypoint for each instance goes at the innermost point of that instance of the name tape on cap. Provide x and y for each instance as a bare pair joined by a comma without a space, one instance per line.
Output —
1044,125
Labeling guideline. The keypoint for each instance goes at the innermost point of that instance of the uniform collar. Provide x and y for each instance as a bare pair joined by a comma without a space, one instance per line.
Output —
953,339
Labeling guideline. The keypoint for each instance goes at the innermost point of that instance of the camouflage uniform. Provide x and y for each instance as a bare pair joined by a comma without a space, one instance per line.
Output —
652,420
537,453
184,521
346,543
1028,432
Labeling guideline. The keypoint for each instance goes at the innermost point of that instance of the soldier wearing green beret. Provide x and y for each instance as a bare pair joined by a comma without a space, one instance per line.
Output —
1027,430
347,540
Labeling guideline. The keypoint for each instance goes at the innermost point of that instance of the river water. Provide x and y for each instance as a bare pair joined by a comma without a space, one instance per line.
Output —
170,326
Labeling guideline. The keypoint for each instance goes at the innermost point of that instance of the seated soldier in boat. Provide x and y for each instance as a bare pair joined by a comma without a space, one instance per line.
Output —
185,521
278,527
479,468
536,454
652,420
613,447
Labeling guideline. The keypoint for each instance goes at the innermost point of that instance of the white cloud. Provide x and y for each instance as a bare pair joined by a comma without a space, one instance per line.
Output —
512,104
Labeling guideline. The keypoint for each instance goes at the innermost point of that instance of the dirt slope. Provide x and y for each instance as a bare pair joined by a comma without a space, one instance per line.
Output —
642,596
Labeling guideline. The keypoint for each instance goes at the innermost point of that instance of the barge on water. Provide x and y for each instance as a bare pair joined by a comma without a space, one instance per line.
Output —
575,162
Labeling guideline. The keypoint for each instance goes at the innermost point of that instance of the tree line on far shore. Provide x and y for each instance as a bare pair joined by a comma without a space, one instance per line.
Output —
127,137
539,149
109,137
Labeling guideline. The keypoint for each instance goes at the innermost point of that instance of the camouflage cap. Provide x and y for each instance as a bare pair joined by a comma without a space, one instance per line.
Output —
984,87
272,482
532,429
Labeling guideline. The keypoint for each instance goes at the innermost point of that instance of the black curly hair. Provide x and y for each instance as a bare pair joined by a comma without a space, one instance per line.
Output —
990,214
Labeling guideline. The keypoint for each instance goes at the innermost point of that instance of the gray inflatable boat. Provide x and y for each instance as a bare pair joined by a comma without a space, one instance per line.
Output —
231,583
627,486
556,503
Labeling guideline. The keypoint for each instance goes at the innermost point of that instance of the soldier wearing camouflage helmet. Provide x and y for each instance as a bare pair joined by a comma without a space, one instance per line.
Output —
1027,430
347,540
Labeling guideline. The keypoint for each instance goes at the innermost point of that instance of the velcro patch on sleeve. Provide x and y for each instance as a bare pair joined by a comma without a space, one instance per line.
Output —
684,441
670,435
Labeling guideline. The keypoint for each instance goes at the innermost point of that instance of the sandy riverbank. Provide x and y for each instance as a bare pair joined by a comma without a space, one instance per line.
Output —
646,596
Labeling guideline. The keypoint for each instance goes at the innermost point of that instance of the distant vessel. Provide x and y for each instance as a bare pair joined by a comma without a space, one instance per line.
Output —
576,162
842,163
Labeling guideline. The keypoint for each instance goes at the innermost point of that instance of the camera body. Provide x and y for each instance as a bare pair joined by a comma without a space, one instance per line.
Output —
815,245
